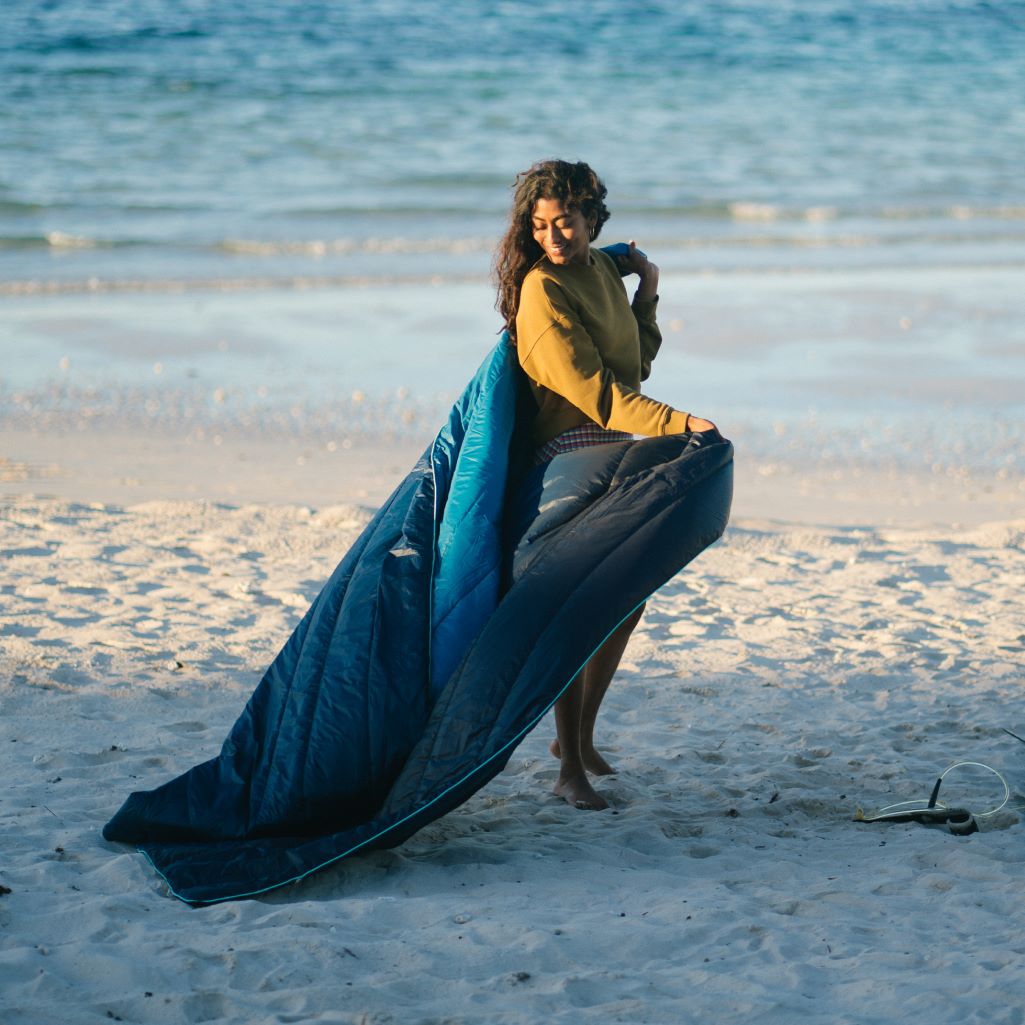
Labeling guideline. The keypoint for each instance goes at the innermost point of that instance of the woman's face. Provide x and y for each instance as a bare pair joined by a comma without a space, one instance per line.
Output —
564,235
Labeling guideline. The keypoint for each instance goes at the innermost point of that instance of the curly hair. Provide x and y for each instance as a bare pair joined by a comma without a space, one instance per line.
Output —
577,187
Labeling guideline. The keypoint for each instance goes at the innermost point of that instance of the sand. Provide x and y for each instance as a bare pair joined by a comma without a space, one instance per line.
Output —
179,475
805,666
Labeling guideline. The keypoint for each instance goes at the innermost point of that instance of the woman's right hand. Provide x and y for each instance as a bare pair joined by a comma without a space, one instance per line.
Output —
696,425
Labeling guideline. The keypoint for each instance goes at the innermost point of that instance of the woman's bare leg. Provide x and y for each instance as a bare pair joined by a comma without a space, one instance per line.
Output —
576,713
572,784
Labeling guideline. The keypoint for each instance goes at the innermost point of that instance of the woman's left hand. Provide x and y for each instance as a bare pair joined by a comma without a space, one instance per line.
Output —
633,261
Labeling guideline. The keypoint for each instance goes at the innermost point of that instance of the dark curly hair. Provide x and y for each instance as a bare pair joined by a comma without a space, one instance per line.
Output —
577,187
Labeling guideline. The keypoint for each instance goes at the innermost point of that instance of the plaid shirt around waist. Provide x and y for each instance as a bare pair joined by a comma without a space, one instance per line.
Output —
583,436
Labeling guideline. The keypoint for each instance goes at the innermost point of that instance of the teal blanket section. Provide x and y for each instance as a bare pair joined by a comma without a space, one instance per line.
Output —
348,696
470,459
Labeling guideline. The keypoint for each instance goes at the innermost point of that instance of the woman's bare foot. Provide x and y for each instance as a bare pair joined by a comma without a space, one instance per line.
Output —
593,761
575,790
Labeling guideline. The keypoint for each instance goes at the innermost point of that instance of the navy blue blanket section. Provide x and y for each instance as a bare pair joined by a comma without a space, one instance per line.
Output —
452,625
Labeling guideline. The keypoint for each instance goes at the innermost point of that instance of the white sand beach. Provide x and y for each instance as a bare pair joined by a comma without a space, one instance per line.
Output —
793,673
244,272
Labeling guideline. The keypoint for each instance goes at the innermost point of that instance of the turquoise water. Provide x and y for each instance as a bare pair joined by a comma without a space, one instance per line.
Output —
240,216
247,141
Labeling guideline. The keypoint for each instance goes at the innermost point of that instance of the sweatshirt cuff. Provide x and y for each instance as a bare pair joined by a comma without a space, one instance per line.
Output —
644,309
676,423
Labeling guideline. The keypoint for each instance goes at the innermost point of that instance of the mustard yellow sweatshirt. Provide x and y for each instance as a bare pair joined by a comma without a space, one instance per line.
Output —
586,350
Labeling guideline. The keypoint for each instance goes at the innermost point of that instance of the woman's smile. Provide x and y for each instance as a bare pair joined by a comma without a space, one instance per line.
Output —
564,235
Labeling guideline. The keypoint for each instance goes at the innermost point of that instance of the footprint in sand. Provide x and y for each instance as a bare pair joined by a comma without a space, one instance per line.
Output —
36,550
686,829
186,726
702,851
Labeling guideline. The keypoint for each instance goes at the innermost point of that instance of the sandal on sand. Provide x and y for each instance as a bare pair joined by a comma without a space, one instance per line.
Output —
960,821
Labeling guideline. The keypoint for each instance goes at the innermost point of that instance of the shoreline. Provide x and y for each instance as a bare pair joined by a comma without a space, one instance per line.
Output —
913,382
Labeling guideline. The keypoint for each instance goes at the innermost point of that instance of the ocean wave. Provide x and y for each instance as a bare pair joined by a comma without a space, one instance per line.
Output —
106,41
767,212
657,233
66,240
62,240
98,285
772,212
323,247
440,275
446,231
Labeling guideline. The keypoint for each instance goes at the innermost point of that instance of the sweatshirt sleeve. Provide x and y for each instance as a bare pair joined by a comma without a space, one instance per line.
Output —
557,352
651,337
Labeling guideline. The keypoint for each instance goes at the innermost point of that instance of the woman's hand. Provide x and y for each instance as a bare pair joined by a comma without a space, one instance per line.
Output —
696,425
637,263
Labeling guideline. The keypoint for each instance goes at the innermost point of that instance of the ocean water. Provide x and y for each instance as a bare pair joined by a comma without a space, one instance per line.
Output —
217,212
253,141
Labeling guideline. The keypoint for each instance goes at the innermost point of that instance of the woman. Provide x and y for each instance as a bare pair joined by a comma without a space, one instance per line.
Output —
433,649
585,349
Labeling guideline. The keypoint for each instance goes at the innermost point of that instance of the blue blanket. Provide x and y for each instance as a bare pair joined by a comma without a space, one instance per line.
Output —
452,625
